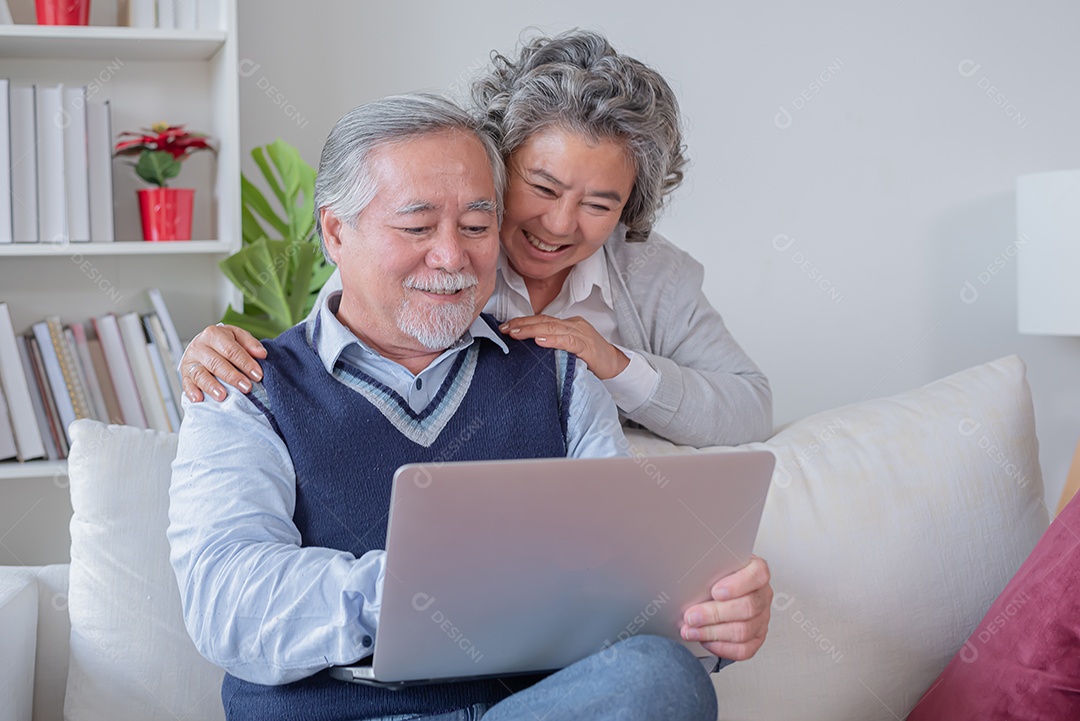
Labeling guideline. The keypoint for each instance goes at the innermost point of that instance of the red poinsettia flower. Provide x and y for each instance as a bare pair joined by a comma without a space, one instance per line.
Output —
172,139
161,149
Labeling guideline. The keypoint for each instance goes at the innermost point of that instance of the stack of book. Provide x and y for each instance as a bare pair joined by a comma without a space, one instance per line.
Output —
115,369
55,165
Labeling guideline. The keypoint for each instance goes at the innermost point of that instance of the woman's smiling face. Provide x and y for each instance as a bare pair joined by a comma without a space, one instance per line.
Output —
565,196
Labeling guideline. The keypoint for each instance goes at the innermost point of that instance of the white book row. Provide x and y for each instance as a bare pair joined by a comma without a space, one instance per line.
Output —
115,369
166,14
55,165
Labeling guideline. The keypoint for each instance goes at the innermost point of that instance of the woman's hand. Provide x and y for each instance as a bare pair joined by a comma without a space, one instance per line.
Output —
220,352
575,335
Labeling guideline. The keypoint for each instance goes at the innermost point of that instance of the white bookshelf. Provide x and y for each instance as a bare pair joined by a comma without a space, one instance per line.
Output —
32,469
102,43
181,76
186,247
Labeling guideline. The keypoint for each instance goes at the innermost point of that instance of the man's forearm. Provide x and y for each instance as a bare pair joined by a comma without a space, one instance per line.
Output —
255,602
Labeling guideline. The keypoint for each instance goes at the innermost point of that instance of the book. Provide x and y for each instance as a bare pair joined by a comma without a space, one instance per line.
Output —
141,13
99,169
7,434
65,356
166,14
172,375
47,442
6,231
16,387
127,392
187,14
163,383
209,14
101,370
84,368
52,196
54,376
76,169
52,411
131,330
24,199
162,312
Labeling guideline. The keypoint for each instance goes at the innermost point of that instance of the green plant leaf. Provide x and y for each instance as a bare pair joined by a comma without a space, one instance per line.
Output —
250,228
256,271
258,326
305,228
157,167
280,277
259,156
304,255
287,161
253,198
291,169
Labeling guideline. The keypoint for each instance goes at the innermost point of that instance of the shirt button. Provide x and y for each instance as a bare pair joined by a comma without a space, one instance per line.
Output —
419,384
366,642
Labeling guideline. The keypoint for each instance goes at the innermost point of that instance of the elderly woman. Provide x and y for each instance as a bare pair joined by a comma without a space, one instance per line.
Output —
593,146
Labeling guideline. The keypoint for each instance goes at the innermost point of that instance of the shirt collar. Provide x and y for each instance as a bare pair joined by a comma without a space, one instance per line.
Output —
586,275
329,336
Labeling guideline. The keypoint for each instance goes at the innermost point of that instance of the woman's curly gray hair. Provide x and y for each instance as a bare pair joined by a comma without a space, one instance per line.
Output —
577,81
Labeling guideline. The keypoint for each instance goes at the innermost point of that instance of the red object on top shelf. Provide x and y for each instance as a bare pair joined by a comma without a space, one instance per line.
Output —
63,12
166,213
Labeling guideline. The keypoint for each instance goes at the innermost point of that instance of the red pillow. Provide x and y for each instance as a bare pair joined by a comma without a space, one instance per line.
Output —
1023,661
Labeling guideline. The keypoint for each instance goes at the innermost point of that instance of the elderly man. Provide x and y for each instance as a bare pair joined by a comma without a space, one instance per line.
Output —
280,496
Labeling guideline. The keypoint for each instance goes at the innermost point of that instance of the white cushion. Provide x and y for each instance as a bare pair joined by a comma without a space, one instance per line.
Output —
18,639
53,639
890,527
130,655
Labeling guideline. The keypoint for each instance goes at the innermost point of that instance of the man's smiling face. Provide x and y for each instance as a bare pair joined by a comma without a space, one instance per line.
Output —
418,264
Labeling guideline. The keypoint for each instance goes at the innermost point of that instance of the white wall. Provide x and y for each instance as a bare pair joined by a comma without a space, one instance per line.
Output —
837,246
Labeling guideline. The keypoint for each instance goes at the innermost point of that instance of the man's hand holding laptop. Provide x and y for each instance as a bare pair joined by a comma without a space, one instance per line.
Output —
733,625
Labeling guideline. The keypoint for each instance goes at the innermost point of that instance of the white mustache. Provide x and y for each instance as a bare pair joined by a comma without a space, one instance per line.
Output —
442,283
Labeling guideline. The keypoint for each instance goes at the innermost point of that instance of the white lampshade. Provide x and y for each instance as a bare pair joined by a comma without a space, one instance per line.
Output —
1048,253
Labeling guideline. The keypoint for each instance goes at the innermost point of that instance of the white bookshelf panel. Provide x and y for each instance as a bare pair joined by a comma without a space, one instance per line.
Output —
106,43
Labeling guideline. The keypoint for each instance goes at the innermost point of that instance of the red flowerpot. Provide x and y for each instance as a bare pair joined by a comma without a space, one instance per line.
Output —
166,213
63,12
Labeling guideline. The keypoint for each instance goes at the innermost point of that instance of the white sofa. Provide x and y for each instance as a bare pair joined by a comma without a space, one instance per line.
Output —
891,526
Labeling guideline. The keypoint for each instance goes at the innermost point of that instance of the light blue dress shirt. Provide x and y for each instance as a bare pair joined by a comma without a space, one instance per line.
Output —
255,602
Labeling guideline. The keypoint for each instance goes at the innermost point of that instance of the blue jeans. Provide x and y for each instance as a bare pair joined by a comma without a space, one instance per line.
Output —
643,678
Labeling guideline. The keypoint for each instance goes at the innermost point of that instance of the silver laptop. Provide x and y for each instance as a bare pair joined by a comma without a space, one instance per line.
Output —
507,567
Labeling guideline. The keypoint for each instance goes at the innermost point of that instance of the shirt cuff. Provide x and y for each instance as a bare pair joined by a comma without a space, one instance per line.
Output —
635,385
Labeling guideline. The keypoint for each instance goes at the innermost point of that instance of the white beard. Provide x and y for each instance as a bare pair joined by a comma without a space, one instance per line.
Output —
438,327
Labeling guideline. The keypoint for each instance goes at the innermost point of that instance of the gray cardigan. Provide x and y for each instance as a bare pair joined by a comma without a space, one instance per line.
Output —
710,392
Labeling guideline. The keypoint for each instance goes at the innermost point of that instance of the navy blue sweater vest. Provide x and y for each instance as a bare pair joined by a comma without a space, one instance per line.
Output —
345,451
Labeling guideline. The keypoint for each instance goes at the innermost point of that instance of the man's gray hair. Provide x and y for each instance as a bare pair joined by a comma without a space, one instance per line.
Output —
345,184
576,81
